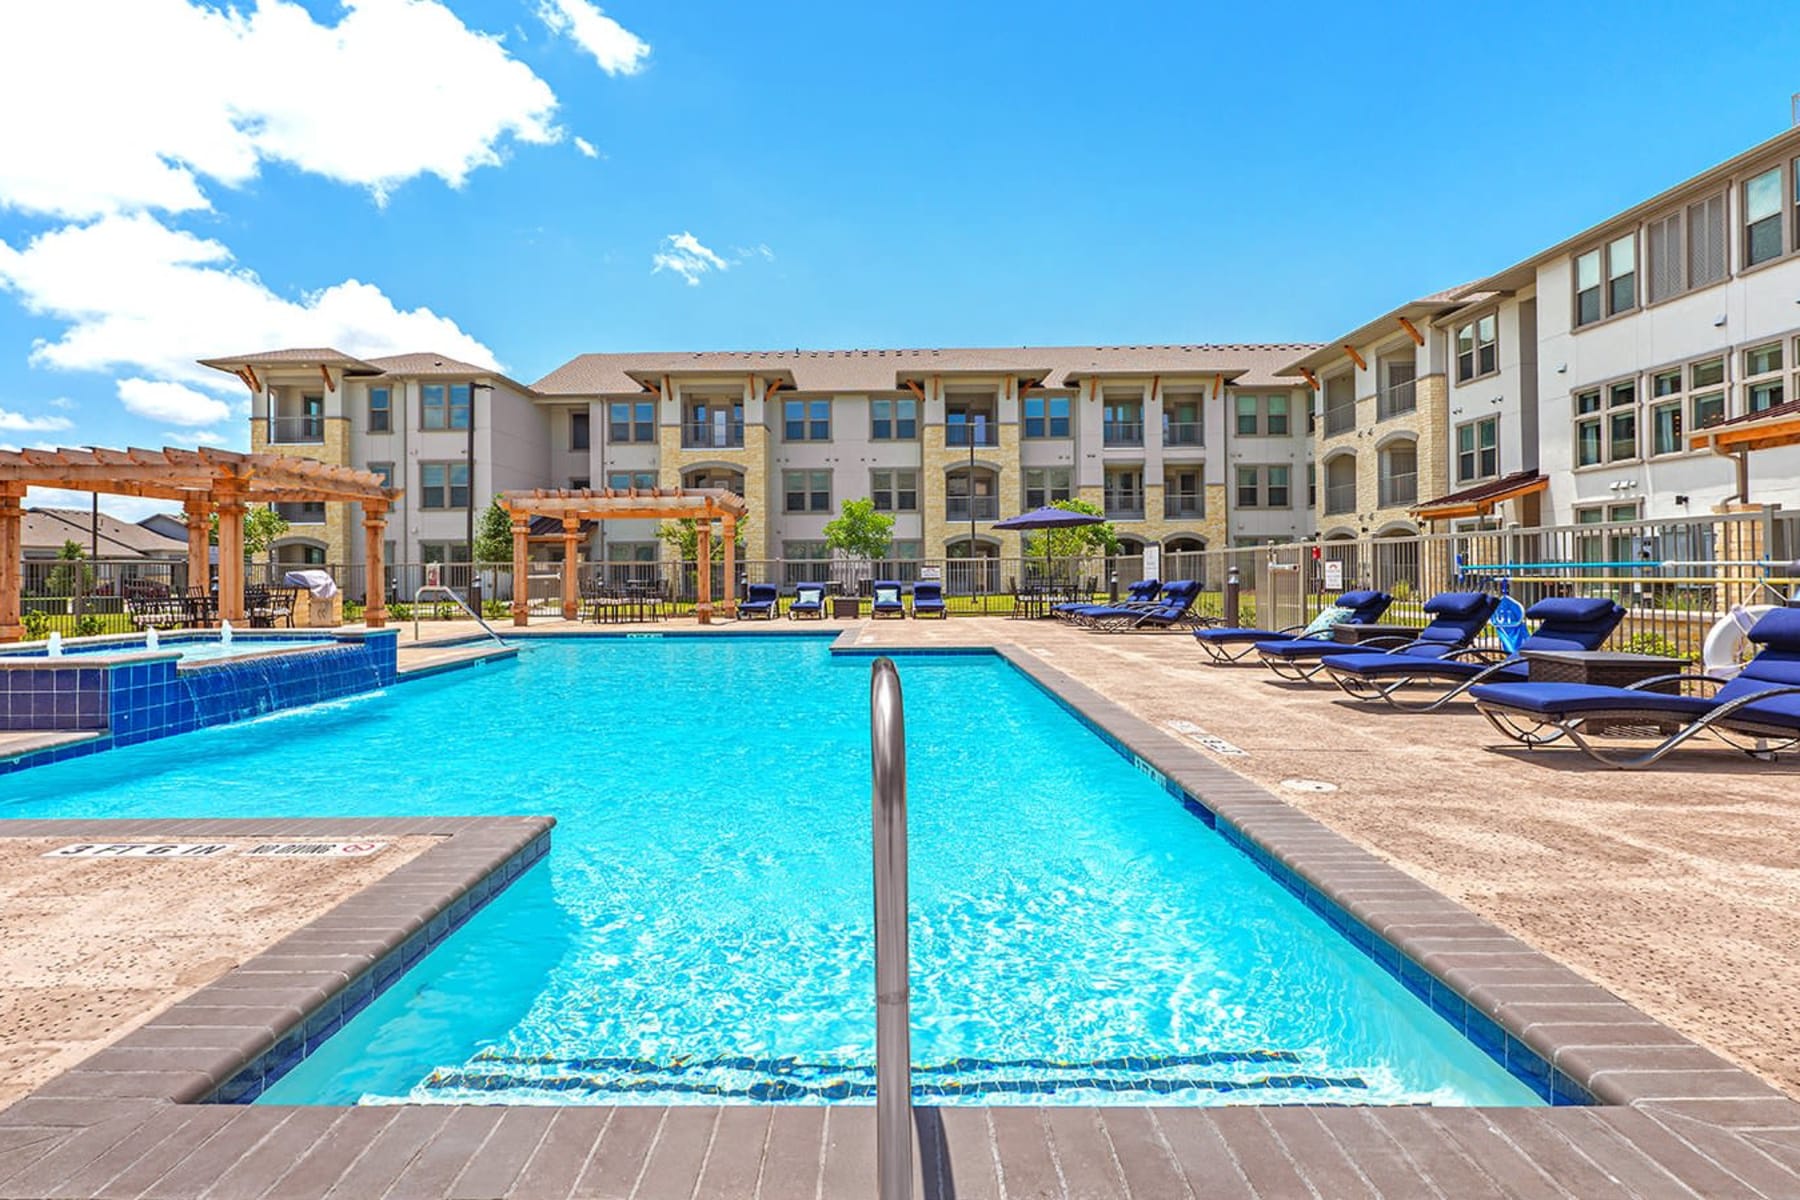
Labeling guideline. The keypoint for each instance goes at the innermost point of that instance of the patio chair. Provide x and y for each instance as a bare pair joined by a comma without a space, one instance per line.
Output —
887,601
764,599
1564,623
1141,594
1756,710
1235,644
1456,619
928,600
1173,610
809,602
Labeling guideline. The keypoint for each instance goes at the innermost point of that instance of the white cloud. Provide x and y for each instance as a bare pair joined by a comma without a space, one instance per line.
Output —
195,437
586,147
142,297
618,50
160,400
170,94
62,402
683,254
760,250
15,422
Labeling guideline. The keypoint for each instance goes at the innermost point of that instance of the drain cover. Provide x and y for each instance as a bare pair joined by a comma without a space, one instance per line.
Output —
1308,785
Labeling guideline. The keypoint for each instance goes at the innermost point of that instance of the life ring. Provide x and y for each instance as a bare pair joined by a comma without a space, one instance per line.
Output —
1726,642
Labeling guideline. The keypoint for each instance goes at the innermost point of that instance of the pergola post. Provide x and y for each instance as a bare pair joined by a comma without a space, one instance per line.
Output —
199,542
703,569
231,554
12,560
374,564
730,566
571,595
521,579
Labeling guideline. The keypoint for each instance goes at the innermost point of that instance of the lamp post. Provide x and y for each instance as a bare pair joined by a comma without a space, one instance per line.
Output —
474,589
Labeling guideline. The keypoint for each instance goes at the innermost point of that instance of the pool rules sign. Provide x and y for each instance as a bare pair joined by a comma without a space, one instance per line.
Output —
216,850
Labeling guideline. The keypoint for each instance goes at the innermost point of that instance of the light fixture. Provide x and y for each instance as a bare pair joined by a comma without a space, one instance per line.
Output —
1562,368
1681,500
1718,320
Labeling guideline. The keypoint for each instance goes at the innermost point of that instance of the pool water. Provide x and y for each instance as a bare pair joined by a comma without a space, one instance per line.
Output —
701,931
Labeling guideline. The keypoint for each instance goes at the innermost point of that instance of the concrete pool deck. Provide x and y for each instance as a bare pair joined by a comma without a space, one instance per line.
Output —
1676,1120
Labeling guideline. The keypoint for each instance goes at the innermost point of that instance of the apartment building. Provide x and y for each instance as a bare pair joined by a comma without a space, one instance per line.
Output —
1566,388
1185,447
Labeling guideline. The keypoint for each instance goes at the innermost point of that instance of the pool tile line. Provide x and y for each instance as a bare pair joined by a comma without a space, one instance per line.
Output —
1444,963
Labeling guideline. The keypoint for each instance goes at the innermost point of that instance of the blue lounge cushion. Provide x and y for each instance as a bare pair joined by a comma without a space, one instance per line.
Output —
1574,699
1460,605
1572,623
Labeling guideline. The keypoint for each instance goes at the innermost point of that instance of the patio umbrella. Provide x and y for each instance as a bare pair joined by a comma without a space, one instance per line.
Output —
1050,517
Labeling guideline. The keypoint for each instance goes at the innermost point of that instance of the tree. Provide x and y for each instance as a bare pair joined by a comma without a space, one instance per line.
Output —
1052,544
263,527
69,567
860,531
683,536
493,535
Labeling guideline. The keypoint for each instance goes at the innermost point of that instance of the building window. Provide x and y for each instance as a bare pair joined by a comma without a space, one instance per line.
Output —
1258,415
1264,487
443,552
894,491
1046,485
1276,411
444,485
1478,348
1762,217
444,406
1478,450
1046,416
1276,487
1248,423
385,470
1763,383
1686,249
806,491
1184,495
631,421
1123,494
1184,422
624,481
1706,392
578,429
1312,485
893,420
806,420
381,410
1122,422
579,483
1665,412
1614,266
1340,404
1606,424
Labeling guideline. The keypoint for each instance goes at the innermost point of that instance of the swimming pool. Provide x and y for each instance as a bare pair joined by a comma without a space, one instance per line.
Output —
193,648
701,930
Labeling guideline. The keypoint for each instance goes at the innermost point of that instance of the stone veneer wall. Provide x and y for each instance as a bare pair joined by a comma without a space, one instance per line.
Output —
1428,423
762,489
342,528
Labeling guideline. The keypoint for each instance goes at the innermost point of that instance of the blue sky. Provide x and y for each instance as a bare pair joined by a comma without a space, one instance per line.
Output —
844,175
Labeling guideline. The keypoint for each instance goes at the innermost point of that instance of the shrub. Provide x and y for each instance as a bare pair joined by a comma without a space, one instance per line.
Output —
494,610
37,625
89,625
1645,642
400,611
1401,589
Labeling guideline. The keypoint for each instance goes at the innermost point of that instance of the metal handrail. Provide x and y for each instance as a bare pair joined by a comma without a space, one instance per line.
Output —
456,600
893,1020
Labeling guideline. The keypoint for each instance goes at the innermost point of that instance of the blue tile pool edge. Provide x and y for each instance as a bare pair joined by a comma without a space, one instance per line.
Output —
1505,1048
300,1040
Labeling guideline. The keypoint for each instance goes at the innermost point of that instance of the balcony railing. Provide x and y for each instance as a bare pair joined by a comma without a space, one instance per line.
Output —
1340,498
1401,487
1397,398
1122,433
706,435
1178,504
301,513
984,433
1124,507
296,431
1184,433
1341,419
971,508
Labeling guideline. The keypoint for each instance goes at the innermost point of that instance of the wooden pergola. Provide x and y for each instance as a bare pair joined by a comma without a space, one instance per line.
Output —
203,482
703,506
1735,438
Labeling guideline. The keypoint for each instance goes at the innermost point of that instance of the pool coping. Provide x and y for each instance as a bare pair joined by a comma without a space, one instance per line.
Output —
1674,1118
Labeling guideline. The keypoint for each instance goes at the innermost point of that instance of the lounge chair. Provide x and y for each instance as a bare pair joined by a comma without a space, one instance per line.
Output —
1173,609
928,600
1456,618
887,600
1564,623
1756,711
809,602
765,599
1232,645
1141,594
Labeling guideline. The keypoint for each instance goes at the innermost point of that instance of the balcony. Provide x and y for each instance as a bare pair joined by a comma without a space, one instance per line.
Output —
982,433
1124,506
1397,398
708,435
1184,505
1399,487
301,513
1184,433
1341,419
296,431
1122,433
1340,498
971,508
